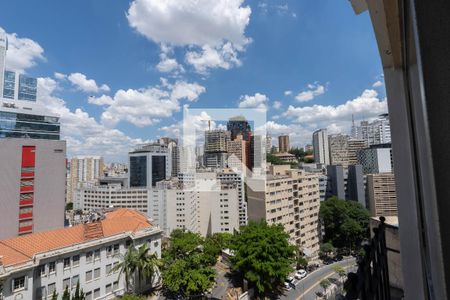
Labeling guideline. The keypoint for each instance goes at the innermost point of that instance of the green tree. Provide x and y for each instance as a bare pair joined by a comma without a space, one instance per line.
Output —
324,284
127,266
326,249
55,295
340,271
263,255
69,205
300,260
132,297
299,153
187,262
79,294
274,160
66,294
137,260
346,222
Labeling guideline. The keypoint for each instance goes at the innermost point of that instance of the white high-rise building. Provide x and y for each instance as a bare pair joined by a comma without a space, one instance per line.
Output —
268,143
82,170
3,49
376,132
320,146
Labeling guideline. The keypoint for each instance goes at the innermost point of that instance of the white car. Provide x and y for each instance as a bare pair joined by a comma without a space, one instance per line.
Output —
300,274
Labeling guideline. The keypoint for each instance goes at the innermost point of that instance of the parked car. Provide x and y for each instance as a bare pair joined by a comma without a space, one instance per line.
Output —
300,274
312,267
287,285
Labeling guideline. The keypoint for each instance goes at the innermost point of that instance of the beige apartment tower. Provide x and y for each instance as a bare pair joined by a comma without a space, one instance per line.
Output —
381,194
289,197
283,143
237,154
83,169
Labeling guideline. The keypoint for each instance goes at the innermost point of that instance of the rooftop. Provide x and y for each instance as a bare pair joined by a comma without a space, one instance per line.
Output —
21,249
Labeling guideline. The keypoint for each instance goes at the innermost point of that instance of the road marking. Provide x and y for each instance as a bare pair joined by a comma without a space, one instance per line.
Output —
317,283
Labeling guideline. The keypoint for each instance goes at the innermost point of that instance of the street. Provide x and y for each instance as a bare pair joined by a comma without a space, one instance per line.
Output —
307,287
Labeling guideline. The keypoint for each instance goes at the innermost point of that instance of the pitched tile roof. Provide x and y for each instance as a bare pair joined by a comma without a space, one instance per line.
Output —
18,250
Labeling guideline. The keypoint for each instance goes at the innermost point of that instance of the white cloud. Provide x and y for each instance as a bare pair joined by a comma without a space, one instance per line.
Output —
214,31
278,9
224,57
274,127
377,83
311,92
147,106
365,106
102,100
87,85
256,101
287,93
337,119
167,65
84,135
277,104
60,76
22,52
298,134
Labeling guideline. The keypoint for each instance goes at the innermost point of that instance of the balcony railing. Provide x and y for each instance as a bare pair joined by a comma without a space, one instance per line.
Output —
371,282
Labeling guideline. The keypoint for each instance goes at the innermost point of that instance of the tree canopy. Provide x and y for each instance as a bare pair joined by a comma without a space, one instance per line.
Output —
346,222
263,255
274,160
187,262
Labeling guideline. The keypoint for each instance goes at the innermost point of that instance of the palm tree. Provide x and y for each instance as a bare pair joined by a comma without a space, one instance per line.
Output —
147,264
127,265
140,261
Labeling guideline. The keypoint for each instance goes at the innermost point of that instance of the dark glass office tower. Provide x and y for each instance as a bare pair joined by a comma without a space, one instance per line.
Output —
239,125
158,168
138,171
149,164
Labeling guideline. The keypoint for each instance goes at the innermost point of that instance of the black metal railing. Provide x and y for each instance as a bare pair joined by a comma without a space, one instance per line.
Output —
371,281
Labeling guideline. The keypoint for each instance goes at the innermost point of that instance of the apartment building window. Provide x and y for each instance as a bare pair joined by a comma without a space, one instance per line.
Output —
40,293
41,270
108,288
109,251
51,288
51,267
18,283
89,256
116,248
97,273
76,260
115,285
66,283
108,269
115,264
97,255
75,280
88,296
97,293
88,275
66,262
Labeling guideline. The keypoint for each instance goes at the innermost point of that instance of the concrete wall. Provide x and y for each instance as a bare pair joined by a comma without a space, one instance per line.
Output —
49,184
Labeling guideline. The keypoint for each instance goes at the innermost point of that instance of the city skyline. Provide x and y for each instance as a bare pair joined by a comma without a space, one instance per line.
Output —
218,70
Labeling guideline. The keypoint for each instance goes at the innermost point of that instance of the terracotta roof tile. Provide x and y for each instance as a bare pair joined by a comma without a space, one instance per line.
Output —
21,249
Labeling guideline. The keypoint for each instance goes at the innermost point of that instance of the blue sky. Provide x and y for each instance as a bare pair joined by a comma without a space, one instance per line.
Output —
310,63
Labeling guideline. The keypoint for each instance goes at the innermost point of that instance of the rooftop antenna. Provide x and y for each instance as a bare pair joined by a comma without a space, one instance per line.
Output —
209,125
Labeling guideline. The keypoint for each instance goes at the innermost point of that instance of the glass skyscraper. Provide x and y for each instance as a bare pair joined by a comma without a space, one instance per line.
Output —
19,86
23,125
